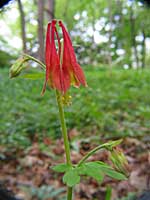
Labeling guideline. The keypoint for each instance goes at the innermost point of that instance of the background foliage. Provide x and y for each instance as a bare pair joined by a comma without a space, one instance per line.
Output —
112,106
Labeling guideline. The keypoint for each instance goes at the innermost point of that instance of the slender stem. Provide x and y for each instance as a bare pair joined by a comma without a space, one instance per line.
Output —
89,154
63,126
36,60
108,146
69,193
65,137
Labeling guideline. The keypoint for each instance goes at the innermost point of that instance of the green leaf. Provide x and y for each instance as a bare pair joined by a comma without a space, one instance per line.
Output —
114,174
91,169
110,171
33,76
98,169
102,164
61,167
71,178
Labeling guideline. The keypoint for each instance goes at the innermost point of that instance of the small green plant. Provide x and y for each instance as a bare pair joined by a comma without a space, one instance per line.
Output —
62,71
45,192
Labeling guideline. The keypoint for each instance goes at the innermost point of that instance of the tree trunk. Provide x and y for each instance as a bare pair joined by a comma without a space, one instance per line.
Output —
23,26
110,35
50,9
143,49
133,34
41,30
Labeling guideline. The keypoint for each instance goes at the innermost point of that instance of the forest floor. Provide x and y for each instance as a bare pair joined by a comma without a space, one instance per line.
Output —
29,175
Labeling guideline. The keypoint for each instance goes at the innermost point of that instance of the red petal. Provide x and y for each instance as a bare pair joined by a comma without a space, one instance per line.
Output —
51,56
79,74
47,56
65,80
56,76
69,58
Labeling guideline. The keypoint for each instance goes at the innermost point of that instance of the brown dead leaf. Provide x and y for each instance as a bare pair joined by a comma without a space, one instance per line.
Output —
29,161
73,133
47,141
137,181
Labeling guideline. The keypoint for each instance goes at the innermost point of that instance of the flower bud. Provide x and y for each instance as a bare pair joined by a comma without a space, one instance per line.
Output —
17,67
119,160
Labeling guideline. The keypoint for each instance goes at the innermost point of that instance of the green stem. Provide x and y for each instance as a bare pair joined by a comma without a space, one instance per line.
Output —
69,193
108,146
90,153
35,60
65,137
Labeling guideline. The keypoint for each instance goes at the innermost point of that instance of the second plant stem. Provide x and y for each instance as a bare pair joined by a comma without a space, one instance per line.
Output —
65,137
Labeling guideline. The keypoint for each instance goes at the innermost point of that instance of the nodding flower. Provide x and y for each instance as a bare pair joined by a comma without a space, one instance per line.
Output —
62,68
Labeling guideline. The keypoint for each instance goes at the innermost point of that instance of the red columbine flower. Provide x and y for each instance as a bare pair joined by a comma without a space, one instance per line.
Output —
62,68
51,55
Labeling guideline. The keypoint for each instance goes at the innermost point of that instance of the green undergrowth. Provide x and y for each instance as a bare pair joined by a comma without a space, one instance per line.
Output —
115,104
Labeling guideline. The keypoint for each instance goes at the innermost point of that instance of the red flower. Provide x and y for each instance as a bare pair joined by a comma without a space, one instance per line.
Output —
62,68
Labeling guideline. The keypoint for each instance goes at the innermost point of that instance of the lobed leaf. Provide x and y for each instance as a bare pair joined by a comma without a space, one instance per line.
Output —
71,178
108,170
61,167
91,169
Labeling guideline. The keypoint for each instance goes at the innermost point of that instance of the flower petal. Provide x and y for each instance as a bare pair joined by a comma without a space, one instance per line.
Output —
69,58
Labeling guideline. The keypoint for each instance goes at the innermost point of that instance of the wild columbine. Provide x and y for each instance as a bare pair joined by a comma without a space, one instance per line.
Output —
62,69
